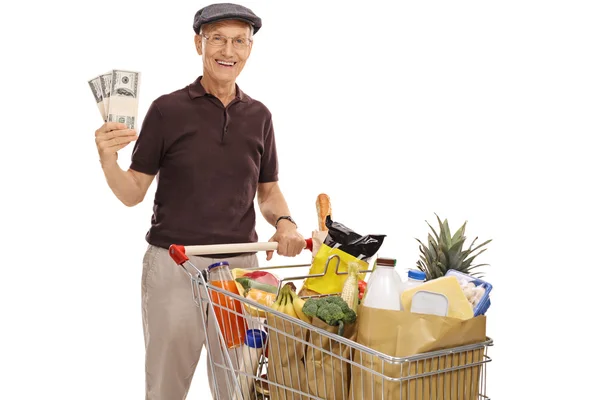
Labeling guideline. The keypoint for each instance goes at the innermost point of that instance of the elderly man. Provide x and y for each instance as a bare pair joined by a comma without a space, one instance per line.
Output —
212,148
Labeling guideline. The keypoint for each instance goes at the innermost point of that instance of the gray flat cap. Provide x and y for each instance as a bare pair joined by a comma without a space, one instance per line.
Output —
223,11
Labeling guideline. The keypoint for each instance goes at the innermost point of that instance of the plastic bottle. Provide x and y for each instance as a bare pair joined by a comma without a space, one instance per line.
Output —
251,353
232,323
383,286
415,278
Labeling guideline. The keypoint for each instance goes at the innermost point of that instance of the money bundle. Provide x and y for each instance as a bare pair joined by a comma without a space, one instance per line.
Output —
117,94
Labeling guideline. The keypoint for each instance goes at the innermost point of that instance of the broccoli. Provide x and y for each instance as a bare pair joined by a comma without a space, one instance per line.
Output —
331,309
310,307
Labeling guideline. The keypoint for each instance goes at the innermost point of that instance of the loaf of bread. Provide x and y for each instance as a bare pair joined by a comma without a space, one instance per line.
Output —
323,210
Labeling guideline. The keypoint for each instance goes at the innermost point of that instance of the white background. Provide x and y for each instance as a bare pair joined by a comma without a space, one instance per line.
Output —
485,112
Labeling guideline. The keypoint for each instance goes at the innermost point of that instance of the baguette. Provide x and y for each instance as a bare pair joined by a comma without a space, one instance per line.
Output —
323,210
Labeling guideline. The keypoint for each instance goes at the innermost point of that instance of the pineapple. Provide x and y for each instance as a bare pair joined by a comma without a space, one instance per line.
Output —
445,252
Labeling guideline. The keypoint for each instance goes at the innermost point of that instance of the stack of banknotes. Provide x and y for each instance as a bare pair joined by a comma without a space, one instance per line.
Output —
117,94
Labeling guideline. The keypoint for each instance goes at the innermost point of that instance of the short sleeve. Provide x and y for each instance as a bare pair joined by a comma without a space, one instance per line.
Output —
268,163
148,150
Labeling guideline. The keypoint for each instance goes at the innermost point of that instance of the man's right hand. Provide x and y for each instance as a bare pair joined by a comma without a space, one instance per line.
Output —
112,137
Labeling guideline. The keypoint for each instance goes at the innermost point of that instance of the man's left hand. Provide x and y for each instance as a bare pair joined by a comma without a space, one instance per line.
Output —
290,241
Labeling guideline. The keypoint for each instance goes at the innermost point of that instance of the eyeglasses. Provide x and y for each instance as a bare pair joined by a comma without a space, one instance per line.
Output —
220,41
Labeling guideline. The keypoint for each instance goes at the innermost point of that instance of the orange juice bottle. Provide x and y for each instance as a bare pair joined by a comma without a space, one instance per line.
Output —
229,311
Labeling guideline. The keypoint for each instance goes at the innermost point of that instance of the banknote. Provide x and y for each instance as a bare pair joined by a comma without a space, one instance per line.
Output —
124,97
106,85
117,95
96,87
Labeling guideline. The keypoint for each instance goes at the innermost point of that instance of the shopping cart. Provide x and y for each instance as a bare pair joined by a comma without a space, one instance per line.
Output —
303,361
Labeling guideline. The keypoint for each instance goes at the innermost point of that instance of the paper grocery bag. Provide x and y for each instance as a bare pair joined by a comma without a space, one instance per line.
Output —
286,359
326,360
404,334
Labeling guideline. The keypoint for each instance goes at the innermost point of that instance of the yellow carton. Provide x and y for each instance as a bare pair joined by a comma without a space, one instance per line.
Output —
458,304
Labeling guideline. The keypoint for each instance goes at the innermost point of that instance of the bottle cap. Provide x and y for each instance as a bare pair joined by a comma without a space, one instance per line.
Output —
255,338
386,262
416,274
217,264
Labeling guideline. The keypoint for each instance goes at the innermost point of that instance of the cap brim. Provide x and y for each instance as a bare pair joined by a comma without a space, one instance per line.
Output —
246,20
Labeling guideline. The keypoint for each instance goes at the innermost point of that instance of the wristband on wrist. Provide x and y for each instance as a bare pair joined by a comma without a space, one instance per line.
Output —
285,217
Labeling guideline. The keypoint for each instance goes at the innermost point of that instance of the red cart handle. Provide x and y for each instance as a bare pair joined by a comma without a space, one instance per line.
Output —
180,253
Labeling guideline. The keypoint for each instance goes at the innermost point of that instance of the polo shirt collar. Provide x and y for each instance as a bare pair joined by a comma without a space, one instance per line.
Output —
197,90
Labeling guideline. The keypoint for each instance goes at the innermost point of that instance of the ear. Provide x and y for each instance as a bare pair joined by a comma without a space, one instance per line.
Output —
198,43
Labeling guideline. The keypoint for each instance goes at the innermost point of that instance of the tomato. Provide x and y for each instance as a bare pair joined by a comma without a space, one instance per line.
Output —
362,285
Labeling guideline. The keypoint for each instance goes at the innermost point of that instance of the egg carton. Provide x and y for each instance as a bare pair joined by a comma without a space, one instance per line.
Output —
480,290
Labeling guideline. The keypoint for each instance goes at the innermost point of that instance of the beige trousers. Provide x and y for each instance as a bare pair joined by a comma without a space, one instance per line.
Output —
173,331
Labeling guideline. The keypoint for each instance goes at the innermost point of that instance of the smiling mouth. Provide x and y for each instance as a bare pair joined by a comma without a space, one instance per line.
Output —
226,64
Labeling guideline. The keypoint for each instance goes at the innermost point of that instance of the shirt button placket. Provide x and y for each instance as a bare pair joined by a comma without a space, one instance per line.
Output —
225,126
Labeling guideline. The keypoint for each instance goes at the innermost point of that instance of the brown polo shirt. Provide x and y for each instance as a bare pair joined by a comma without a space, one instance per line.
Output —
209,161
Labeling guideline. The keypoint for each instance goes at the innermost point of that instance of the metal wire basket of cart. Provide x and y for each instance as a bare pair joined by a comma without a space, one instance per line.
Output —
257,352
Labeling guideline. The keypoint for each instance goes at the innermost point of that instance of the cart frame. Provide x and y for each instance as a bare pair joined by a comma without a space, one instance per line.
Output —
263,386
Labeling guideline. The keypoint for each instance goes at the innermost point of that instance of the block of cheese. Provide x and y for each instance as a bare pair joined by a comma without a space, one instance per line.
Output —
458,304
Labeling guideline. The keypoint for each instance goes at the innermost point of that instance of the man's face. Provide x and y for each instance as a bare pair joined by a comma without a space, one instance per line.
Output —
224,50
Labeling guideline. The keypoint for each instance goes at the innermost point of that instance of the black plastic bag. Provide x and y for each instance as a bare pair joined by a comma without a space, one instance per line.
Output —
345,239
